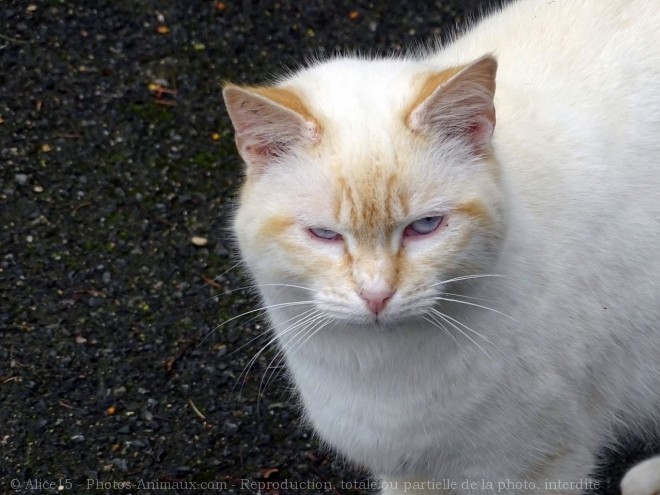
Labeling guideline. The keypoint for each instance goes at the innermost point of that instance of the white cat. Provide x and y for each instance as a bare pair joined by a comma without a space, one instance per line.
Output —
464,279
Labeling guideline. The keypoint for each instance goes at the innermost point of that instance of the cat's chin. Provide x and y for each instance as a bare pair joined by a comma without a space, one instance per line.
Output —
378,325
387,322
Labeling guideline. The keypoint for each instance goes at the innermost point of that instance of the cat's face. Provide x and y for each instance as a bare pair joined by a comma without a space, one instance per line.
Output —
369,217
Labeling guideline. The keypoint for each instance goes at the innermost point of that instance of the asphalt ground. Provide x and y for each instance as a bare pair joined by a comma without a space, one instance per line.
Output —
120,362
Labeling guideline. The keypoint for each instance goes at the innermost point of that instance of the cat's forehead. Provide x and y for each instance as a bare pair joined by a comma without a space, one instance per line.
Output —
356,89
372,200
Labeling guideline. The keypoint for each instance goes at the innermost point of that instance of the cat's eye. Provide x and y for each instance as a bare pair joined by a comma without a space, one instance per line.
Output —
423,226
325,234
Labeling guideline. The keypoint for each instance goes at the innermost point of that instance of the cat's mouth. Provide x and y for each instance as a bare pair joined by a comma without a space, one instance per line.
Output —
357,312
383,321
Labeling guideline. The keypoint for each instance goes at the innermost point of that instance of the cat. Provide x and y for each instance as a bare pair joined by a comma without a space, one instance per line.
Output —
458,249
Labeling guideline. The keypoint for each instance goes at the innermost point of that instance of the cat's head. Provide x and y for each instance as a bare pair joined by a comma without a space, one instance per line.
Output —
370,183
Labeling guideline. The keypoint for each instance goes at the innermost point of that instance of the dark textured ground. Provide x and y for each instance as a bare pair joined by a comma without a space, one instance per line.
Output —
108,324
112,366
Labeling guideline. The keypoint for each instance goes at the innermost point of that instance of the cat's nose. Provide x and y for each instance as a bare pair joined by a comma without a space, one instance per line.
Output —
377,299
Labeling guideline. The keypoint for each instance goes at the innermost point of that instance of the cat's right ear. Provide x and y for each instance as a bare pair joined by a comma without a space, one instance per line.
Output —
269,123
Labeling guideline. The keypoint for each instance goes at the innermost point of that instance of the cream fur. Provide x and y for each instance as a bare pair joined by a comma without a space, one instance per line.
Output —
570,224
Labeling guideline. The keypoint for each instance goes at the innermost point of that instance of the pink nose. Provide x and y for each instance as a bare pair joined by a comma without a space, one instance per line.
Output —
376,299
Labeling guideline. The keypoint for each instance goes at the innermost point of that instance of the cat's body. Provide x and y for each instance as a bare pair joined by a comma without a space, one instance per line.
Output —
563,205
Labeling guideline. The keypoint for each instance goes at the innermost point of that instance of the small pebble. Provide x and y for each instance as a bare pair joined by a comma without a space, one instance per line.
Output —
199,241
124,430
121,464
230,427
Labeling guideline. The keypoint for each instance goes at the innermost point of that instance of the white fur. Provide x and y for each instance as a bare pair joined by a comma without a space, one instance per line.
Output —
578,141
643,479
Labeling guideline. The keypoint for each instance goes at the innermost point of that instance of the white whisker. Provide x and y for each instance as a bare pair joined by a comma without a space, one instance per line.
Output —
431,319
244,287
478,334
444,318
254,288
261,309
465,277
319,320
301,320
465,297
440,298
308,324
217,277
291,285
268,329
319,325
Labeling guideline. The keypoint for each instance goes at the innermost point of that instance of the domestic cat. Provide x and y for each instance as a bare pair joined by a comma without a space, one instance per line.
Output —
459,249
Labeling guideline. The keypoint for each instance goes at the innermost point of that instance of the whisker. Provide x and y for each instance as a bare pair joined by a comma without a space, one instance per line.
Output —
306,324
444,318
281,353
440,298
262,309
272,340
310,318
431,319
270,371
318,326
255,287
478,334
291,285
268,329
319,320
217,296
465,297
216,278
465,277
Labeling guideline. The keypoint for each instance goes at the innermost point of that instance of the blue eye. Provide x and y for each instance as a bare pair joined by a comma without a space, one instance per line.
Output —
423,226
325,234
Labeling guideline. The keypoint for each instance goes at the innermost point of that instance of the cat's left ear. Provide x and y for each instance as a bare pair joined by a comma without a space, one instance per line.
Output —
458,103
269,123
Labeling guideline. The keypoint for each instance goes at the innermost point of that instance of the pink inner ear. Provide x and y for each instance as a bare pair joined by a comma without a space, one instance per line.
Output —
266,150
479,132
475,130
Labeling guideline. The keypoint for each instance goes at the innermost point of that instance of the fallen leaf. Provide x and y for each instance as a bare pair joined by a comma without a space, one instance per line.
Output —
266,472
